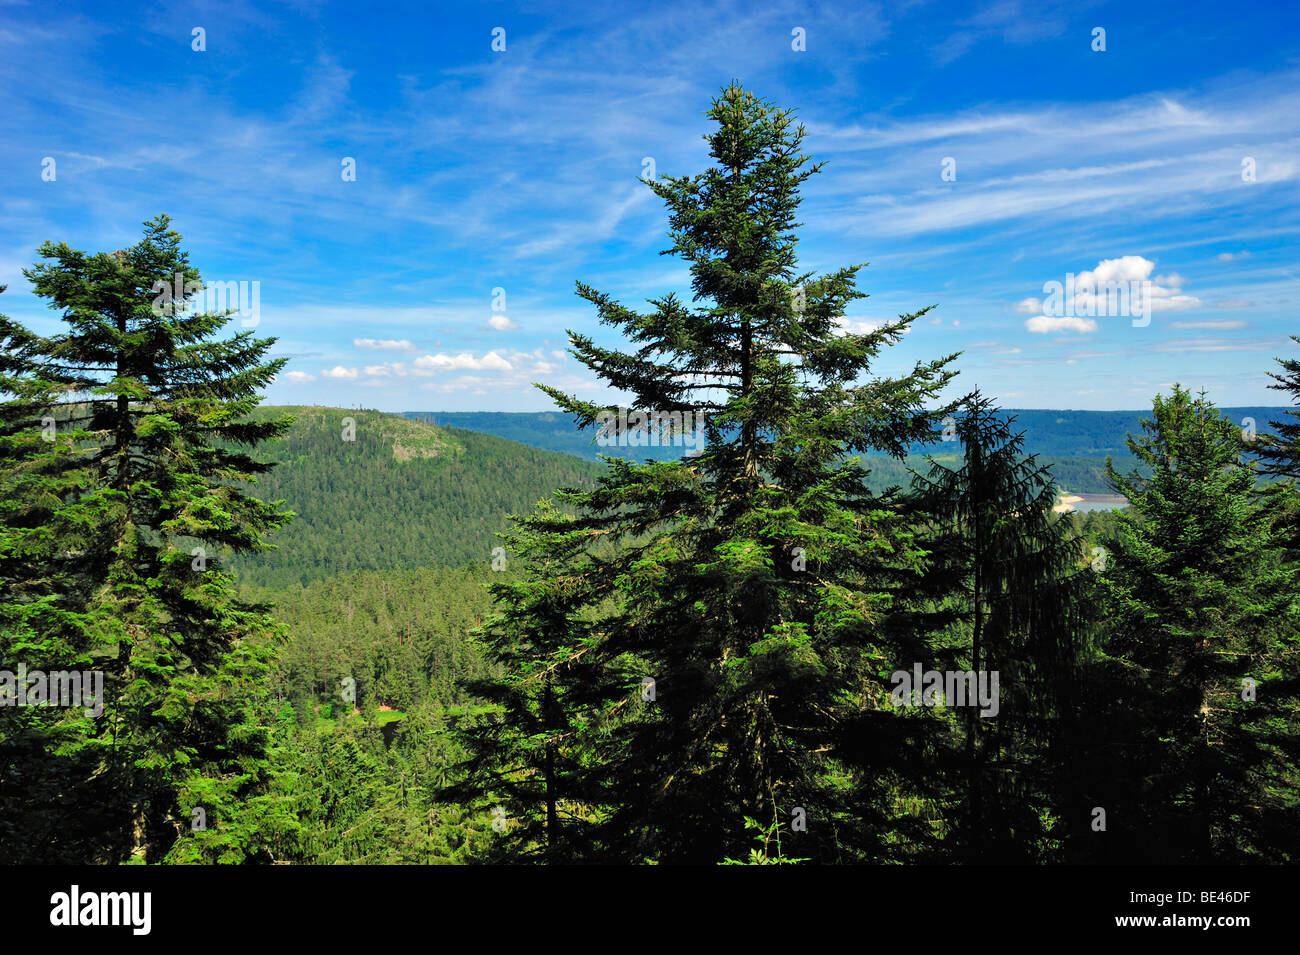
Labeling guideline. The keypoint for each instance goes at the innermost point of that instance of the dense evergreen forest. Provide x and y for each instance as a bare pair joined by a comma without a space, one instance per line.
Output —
322,641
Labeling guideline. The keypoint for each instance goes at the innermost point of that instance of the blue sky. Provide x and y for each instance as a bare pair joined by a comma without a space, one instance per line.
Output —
518,170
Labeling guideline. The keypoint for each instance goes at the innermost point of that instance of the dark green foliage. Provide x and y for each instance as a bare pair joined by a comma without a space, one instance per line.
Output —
741,581
1279,452
366,777
1001,592
528,750
149,456
402,636
1187,764
1097,528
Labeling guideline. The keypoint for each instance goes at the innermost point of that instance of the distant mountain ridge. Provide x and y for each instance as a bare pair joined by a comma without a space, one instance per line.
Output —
1048,432
434,488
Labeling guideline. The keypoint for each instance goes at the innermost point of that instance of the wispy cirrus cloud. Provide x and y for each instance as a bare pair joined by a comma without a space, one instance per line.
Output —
383,344
519,170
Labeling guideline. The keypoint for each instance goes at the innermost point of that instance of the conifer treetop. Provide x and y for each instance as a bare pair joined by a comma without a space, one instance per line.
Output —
761,350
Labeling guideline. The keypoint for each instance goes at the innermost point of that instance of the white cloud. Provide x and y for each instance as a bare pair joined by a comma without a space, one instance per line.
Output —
1229,256
1127,268
299,377
1043,324
429,364
383,344
501,323
338,371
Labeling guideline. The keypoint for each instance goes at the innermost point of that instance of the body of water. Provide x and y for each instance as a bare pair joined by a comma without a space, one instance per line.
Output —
1094,502
1099,505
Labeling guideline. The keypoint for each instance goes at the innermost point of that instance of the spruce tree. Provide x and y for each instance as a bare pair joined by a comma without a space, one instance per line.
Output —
1196,695
126,453
735,601
527,752
1002,592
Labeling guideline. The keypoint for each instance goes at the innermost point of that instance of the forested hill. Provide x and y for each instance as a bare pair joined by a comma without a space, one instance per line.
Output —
404,492
392,493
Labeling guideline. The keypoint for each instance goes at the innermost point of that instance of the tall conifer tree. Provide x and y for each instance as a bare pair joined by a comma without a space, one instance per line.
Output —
124,441
527,754
1003,593
738,605
1197,707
